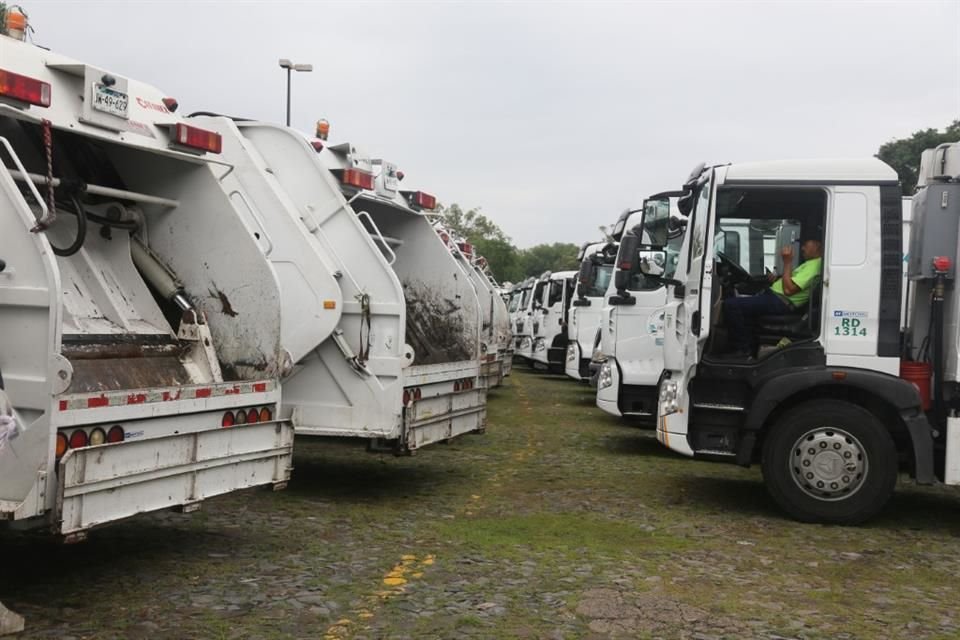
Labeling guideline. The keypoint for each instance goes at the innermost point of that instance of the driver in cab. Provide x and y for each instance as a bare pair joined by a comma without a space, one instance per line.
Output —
786,294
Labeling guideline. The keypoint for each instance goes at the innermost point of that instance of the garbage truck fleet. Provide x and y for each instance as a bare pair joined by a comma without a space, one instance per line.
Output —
182,294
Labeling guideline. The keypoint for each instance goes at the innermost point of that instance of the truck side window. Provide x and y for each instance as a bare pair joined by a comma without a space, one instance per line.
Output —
556,292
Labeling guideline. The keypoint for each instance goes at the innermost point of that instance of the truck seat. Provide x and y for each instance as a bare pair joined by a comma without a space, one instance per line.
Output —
798,324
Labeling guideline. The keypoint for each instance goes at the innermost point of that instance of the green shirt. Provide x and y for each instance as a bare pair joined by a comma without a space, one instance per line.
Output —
804,276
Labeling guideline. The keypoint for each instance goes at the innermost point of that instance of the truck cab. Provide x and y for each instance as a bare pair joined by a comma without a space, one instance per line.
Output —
550,320
632,335
820,404
527,318
519,299
586,309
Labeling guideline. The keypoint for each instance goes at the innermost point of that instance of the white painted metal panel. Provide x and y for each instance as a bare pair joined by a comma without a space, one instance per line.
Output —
852,272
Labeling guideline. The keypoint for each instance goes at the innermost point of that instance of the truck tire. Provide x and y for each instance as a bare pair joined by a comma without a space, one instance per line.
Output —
830,461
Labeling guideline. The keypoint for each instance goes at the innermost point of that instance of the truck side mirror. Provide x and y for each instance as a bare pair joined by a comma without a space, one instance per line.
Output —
626,261
588,273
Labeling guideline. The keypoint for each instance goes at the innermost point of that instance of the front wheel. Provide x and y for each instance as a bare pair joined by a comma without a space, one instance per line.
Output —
829,461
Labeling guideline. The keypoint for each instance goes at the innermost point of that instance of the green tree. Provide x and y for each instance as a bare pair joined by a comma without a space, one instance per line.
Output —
904,154
471,224
488,240
559,256
502,256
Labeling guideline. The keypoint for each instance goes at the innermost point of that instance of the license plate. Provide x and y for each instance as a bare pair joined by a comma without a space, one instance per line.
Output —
110,100
391,181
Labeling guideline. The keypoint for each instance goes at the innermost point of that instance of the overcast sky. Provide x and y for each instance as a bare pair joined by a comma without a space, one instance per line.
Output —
550,117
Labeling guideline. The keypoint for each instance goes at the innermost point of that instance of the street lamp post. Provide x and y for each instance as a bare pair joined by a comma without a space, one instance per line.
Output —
291,67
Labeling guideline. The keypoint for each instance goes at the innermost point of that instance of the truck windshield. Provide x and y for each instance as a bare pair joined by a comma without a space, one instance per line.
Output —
524,299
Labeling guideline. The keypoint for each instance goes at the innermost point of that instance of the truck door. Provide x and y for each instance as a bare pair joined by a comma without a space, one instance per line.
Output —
687,317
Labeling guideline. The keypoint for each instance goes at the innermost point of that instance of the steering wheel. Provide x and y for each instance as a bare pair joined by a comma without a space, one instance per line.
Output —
730,270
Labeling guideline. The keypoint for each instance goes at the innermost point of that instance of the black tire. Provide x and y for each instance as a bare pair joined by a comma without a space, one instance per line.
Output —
786,467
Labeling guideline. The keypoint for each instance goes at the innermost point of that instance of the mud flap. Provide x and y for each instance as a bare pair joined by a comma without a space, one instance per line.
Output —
108,482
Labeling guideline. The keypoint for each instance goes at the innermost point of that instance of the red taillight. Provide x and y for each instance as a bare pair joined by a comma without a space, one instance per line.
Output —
942,264
317,145
406,397
445,237
78,439
417,394
266,415
197,138
357,178
25,89
456,385
253,416
423,200
241,417
115,434
171,104
466,249
62,445
228,419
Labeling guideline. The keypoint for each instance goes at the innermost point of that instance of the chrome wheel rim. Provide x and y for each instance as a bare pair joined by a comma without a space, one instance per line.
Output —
828,464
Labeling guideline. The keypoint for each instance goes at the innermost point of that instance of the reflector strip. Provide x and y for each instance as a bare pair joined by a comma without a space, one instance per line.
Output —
123,398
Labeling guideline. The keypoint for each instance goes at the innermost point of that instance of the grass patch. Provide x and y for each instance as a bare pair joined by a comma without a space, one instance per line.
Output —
557,533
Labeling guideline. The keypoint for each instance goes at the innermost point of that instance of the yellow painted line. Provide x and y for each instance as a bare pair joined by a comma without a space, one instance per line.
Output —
410,567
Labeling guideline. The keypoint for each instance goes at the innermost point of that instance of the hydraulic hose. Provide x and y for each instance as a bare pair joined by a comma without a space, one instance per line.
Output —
81,232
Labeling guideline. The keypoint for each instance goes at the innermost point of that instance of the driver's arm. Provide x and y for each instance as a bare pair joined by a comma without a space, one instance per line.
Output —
789,286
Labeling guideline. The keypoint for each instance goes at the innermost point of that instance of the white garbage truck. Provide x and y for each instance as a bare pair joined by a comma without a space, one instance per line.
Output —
499,353
356,374
139,321
494,326
550,320
835,402
586,309
442,397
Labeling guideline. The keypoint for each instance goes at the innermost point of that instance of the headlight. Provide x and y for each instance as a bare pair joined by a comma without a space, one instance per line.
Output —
598,355
605,379
526,342
669,392
539,345
572,352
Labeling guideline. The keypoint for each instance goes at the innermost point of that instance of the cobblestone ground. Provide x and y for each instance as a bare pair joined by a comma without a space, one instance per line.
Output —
559,522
